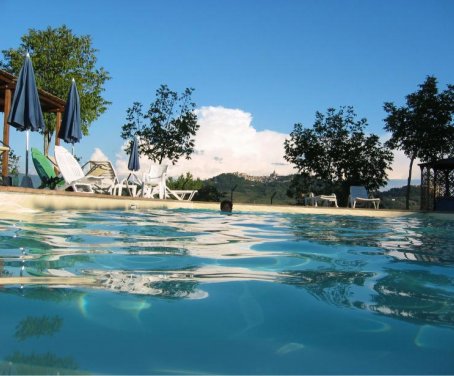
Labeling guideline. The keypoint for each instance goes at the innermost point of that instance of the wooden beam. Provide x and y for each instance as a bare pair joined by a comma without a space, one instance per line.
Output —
6,111
57,128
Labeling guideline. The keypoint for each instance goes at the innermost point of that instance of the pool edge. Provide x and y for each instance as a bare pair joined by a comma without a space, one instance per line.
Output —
14,200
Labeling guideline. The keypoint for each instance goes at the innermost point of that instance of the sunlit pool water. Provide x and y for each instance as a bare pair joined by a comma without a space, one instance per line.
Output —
184,292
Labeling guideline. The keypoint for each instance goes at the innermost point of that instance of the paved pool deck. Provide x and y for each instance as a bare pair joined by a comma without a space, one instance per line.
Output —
17,202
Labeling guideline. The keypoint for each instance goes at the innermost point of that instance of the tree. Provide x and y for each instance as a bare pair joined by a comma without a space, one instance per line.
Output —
185,182
336,150
423,128
58,55
13,162
208,193
167,130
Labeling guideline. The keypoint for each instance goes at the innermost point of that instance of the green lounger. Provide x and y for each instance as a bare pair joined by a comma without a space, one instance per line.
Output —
45,170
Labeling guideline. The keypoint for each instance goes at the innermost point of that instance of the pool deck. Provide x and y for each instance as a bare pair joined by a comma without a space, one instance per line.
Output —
16,202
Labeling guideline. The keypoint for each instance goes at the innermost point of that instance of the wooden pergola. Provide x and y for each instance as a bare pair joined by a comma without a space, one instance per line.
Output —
49,103
437,185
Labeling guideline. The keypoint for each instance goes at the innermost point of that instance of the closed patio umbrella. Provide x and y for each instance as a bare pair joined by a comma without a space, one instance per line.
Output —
134,163
26,114
70,130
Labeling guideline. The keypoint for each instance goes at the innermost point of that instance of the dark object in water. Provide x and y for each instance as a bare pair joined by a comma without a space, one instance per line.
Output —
226,205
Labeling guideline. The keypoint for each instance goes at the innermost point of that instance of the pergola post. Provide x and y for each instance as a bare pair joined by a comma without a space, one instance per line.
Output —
7,109
57,128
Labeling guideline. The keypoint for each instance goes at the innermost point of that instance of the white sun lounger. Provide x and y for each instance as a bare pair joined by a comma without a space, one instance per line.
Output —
358,194
72,172
180,194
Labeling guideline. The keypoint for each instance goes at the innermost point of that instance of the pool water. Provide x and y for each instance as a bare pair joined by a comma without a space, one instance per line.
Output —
192,291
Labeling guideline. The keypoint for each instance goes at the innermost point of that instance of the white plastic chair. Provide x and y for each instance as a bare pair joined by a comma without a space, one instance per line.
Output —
154,182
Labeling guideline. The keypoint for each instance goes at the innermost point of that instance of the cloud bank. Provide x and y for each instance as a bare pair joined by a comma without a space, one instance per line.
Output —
227,142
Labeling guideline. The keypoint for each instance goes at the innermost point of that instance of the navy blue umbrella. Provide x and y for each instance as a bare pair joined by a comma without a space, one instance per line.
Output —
70,130
26,114
134,163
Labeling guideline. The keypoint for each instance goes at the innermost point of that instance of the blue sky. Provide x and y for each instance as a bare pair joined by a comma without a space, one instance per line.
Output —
276,62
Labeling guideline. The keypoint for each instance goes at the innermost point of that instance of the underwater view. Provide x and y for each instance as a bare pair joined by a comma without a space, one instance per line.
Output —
198,291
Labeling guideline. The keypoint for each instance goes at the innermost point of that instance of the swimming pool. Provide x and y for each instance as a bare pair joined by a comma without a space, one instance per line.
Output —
195,291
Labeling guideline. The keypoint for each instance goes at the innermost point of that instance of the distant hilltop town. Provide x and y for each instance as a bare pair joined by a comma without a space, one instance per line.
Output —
261,179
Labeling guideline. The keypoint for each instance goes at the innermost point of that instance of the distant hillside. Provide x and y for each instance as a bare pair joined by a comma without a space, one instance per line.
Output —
259,189
256,190
395,197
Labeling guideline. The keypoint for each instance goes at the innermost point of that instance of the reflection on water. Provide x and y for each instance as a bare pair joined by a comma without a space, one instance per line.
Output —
400,267
194,291
38,364
37,326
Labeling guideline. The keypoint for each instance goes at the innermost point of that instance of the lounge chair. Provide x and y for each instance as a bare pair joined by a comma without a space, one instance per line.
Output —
73,174
359,195
311,200
326,200
3,147
110,182
180,194
46,171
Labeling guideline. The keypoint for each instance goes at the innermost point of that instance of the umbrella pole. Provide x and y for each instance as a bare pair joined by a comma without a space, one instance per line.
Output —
27,146
26,180
73,149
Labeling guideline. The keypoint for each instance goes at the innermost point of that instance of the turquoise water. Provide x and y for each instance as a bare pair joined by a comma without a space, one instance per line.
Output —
184,292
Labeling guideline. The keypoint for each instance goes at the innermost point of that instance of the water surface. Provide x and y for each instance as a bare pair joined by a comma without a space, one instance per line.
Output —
181,291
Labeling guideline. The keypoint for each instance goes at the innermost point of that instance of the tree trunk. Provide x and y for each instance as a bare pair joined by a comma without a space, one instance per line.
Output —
407,198
47,140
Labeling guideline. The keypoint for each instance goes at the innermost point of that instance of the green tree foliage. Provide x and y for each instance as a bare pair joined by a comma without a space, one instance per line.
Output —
185,182
168,128
58,55
395,198
337,151
302,184
259,191
208,193
13,162
423,128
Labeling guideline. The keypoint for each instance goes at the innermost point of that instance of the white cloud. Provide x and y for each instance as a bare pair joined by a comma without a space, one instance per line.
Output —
227,142
400,167
98,155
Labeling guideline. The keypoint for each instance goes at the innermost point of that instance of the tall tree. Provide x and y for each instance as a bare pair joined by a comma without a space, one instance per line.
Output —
58,55
423,128
168,128
337,150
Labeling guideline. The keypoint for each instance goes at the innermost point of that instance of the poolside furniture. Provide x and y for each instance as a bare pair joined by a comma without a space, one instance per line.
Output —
110,183
3,147
359,195
153,185
326,200
73,174
311,200
181,194
46,171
